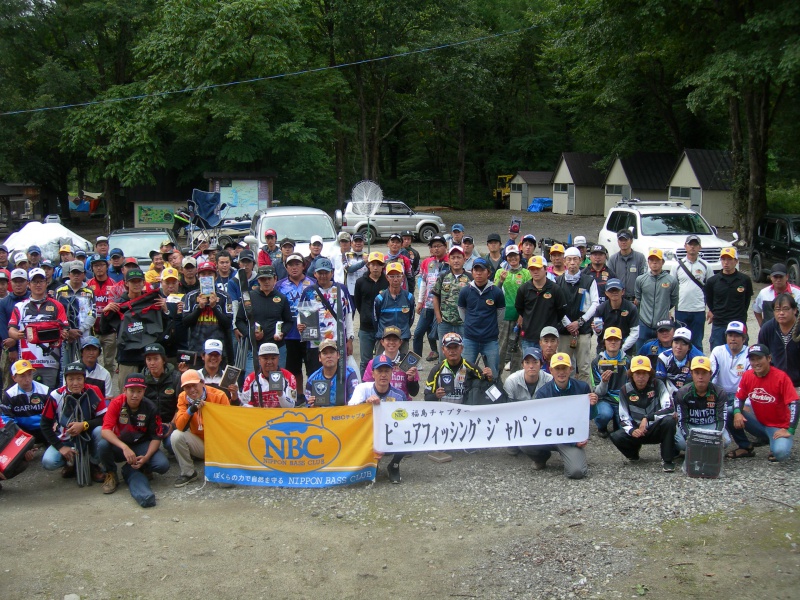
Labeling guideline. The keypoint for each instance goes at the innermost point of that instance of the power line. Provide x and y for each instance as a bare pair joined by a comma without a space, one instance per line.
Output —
266,78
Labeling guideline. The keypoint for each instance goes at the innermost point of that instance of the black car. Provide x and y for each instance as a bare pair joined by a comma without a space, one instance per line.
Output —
139,242
776,240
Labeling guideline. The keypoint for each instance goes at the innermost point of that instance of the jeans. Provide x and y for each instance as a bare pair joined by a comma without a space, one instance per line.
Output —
780,448
426,324
574,458
444,328
606,412
137,481
490,351
366,342
717,337
526,345
53,459
645,335
659,432
582,355
696,323
506,354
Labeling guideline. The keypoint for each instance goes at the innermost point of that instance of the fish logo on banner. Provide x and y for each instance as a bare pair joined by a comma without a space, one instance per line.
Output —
292,444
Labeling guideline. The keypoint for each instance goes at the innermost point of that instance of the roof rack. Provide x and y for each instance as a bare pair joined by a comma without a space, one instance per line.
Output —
637,202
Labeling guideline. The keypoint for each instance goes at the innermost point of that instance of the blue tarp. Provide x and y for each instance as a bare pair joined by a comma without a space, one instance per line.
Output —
540,204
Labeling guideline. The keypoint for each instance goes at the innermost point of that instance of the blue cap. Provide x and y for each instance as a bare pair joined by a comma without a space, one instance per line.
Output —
382,361
98,258
480,262
90,340
534,353
80,252
33,249
614,284
116,252
323,264
457,227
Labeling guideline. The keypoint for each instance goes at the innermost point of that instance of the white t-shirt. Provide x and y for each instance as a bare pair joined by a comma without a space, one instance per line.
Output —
727,369
690,296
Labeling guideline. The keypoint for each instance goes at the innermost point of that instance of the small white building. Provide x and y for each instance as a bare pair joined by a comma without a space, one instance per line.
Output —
528,185
702,180
642,175
578,185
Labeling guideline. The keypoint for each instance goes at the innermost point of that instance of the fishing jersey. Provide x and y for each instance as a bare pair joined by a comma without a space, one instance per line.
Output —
102,291
772,398
100,378
285,398
328,322
510,286
208,323
30,311
398,311
701,412
455,379
133,426
318,377
399,377
367,389
429,272
294,293
79,305
63,408
675,373
651,403
25,408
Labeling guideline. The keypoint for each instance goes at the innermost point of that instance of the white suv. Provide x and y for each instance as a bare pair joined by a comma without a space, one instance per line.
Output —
662,225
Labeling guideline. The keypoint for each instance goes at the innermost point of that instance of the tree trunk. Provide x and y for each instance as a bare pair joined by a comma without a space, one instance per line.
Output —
757,111
115,204
740,174
462,164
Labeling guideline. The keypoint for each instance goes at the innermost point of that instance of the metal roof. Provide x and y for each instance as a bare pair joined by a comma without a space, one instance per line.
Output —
648,170
536,177
581,169
713,168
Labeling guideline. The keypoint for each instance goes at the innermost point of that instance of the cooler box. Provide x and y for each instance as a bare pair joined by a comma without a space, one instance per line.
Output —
704,452
14,443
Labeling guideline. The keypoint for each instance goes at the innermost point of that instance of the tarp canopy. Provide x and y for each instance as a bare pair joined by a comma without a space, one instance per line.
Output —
48,236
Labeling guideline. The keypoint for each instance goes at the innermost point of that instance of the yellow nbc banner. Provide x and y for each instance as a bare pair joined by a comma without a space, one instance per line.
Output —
307,447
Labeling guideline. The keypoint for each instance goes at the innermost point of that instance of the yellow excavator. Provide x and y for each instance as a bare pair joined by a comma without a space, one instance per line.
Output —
502,192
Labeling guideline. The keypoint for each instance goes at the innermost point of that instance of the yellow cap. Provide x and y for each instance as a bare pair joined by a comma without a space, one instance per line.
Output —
557,248
560,359
21,366
376,256
614,332
641,363
657,252
394,267
170,273
729,251
536,262
701,362
65,248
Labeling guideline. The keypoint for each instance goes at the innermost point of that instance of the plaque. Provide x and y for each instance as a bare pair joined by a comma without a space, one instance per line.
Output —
409,361
275,381
229,375
447,381
321,389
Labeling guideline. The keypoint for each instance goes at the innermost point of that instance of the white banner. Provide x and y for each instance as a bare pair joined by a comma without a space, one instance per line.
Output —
415,426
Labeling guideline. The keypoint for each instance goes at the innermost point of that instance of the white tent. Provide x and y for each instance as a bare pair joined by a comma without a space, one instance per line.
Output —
48,236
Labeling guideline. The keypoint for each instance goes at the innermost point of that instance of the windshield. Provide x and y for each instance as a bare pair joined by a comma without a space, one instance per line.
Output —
674,224
137,245
796,229
300,228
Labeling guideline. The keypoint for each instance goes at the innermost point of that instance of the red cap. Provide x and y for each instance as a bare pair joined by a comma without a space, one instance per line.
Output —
4,274
207,266
271,232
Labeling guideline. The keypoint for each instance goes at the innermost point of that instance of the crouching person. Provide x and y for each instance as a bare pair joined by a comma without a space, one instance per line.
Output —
700,404
132,432
188,437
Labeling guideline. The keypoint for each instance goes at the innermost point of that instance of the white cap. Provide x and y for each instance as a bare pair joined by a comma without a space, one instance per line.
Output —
573,251
34,272
20,257
580,241
19,274
315,239
512,249
683,333
267,349
212,345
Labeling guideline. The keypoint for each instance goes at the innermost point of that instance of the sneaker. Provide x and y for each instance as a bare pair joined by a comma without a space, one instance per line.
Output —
110,483
603,433
68,471
98,475
394,473
432,356
185,479
668,467
539,466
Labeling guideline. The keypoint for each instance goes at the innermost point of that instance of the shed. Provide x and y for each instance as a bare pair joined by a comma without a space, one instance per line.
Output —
642,175
527,185
702,180
578,185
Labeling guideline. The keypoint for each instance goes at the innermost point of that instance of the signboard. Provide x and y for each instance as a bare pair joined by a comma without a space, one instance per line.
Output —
243,196
155,214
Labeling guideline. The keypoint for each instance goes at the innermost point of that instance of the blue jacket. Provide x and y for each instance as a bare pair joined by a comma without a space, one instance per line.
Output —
479,309
6,308
388,311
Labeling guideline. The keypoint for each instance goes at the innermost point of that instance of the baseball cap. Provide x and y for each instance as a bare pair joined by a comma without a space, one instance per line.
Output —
100,238
190,376
437,239
19,274
267,349
323,264
641,363
4,274
358,237
328,344
736,327
292,257
536,262
343,236
207,266
155,349
452,339
169,273
247,255
683,333
76,367
392,330
287,242
96,258
528,237
512,249
455,249
701,362
243,244
80,252
116,252
657,252
457,227
382,361
266,272
376,257
613,284
131,260
134,274
729,251
494,237
533,353
270,232
556,248
758,350
34,272
580,241
665,324
778,269
65,248
408,233
571,251
76,265
624,234
481,263
90,340
395,236
189,261
315,239
549,330
212,345
612,332
3,248
34,250
20,257
598,248
560,359
47,264
21,366
394,267
692,238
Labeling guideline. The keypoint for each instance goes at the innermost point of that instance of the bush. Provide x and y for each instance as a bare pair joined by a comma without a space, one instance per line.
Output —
784,199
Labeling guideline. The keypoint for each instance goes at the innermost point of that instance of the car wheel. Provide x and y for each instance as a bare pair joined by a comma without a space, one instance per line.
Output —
369,233
223,240
426,232
794,274
755,268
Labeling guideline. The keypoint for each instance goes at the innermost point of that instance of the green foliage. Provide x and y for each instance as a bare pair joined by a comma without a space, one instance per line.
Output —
784,200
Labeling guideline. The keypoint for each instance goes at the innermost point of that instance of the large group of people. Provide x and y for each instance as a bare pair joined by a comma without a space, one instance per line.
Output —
620,329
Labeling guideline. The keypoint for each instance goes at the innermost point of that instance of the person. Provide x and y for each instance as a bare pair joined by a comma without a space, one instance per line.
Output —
270,252
582,245
526,248
408,250
21,261
429,272
315,253
728,295
52,283
189,281
773,411
468,246
548,342
692,273
673,365
96,374
645,415
580,292
213,358
65,256
100,249
340,259
367,288
394,306
37,309
4,264
540,304
656,295
617,312
375,392
628,264
456,235
79,304
599,270
513,234
729,362
358,265
24,401
481,304
665,330
446,290
783,334
188,436
699,404
765,300
19,292
522,385
162,385
325,395
117,257
510,280
71,419
225,272
5,277
132,432
609,374
454,378
495,255
287,249
294,288
406,381
572,455
258,393
102,287
208,316
176,336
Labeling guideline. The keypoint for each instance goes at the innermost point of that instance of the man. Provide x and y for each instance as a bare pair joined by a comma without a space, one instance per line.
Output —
557,266
225,272
580,292
699,404
609,374
176,336
582,245
729,362
100,249
71,419
321,385
157,265
394,306
692,273
314,253
258,393
366,290
673,365
162,385
102,287
65,256
96,374
132,431
628,264
19,292
79,304
783,333
645,415
764,302
773,411
513,234
468,244
24,401
523,384
728,295
21,261
212,357
395,254
375,392
294,288
481,305
208,316
526,248
340,259
456,234
454,379
661,343
408,250
573,455
5,278
599,270
510,279
495,256
115,269
358,266
656,295
4,257
548,343
269,253
188,437
618,312
34,257
37,313
52,283
287,249
446,290
246,265
540,303
189,281
406,381
429,272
